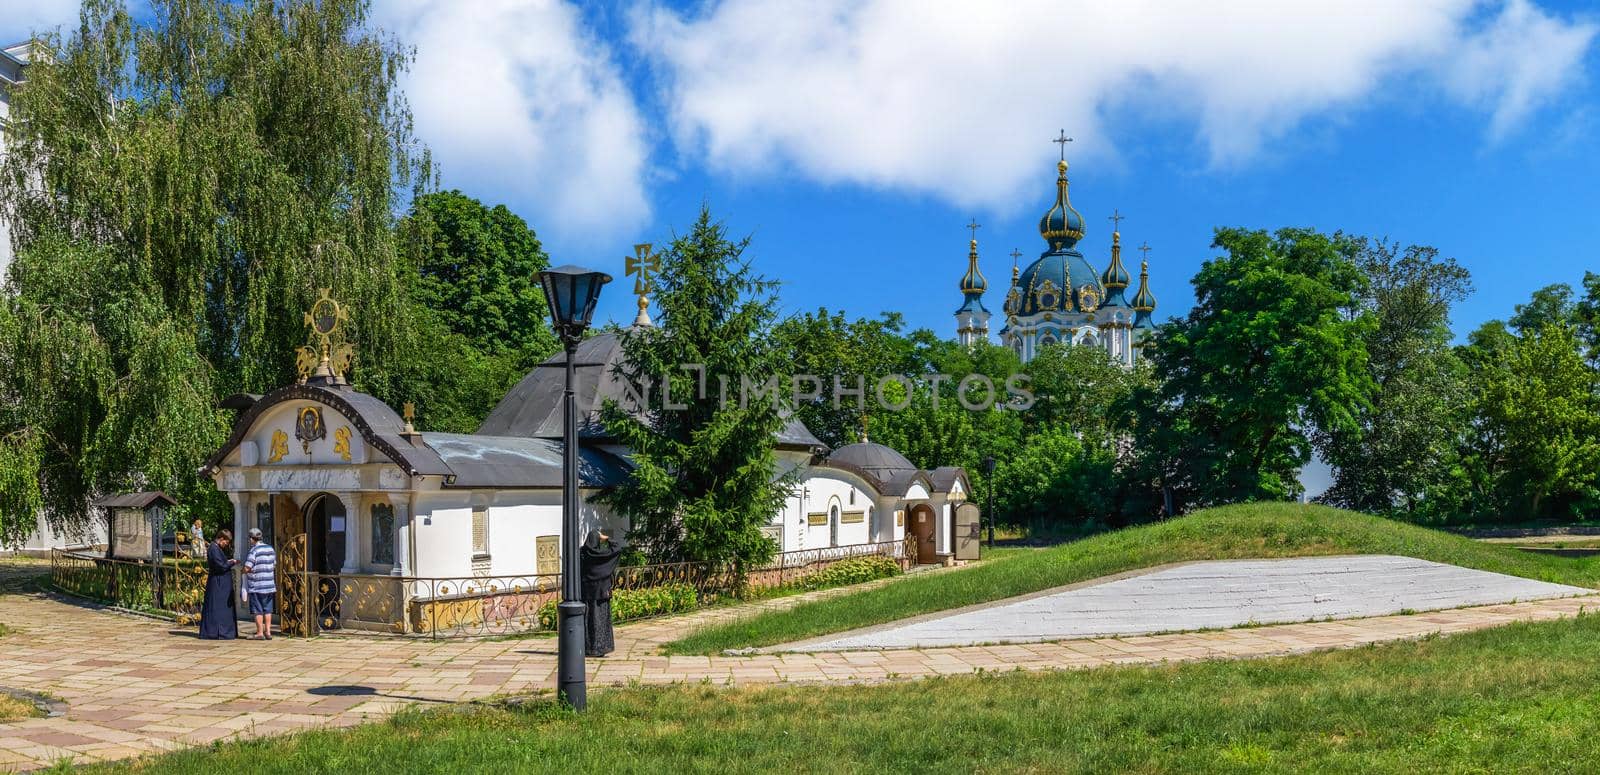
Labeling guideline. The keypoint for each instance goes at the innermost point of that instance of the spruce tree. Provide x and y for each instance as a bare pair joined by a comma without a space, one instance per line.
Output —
706,476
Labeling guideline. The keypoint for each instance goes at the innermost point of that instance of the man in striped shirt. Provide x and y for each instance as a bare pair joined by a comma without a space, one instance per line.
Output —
260,583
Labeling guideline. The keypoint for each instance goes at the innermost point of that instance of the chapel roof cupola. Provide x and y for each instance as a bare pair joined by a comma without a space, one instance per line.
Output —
1061,227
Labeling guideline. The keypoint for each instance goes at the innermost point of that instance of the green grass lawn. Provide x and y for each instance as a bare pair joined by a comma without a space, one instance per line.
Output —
1243,531
1524,697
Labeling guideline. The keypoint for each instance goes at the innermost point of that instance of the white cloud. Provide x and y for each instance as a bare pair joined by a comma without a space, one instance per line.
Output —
30,17
1519,61
956,99
521,105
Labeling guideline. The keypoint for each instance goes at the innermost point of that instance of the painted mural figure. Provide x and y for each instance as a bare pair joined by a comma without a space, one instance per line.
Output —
216,614
598,560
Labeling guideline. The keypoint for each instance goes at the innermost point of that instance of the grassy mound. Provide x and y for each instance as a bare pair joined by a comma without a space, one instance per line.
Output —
1230,532
1518,698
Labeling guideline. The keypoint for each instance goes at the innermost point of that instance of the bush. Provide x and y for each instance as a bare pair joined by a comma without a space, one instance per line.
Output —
628,604
852,571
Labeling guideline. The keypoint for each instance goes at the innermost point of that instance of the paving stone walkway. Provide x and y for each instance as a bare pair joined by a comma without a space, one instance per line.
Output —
135,686
1208,595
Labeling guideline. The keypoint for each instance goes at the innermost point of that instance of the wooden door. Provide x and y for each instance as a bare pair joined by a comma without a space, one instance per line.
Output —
923,525
966,528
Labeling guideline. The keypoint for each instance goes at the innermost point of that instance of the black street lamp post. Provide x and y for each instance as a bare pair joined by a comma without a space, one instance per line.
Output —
988,473
571,292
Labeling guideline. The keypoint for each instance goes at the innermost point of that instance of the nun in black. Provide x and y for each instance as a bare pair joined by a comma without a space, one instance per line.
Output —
598,561
217,621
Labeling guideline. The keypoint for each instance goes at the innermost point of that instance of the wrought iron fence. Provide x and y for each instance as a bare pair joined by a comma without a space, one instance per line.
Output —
173,586
441,607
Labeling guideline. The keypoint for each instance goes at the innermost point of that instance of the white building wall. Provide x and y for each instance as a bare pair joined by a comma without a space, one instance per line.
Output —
823,489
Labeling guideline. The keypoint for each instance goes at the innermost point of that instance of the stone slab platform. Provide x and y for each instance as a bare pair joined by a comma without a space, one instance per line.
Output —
1208,595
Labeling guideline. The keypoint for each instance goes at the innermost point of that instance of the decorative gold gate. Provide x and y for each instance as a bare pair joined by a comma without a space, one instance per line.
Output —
294,610
294,616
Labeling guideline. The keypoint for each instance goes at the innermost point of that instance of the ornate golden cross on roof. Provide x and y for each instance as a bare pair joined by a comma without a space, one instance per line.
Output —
1116,219
974,226
1145,249
643,266
330,359
1016,255
1062,141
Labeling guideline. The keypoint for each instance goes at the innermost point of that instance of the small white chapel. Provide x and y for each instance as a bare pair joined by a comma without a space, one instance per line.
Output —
352,486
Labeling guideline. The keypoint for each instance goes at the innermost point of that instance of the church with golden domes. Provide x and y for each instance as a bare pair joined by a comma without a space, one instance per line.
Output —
1061,297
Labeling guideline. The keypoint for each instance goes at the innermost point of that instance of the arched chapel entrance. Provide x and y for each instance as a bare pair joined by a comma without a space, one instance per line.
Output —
923,524
326,525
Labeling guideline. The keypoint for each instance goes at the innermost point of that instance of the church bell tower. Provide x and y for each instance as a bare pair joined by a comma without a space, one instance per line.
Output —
972,320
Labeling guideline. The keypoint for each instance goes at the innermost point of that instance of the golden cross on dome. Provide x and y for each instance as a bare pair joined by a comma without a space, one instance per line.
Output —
974,226
1062,141
1016,255
1145,249
1116,219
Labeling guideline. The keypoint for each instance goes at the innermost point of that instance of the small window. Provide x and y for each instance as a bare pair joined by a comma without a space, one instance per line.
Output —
264,521
382,534
852,496
480,531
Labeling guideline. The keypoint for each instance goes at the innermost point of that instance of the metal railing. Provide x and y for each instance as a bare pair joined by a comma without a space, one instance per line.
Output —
173,586
457,606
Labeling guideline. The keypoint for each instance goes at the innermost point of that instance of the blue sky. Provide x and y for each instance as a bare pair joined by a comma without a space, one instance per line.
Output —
854,140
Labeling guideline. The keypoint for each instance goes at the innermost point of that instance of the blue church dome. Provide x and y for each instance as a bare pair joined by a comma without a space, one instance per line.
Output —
1055,282
1058,279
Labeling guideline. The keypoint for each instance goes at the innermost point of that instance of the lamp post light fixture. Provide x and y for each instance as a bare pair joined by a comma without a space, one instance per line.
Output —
988,473
571,292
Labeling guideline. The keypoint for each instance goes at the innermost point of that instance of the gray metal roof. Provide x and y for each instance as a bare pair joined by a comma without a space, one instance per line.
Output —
876,459
944,478
135,500
512,462
533,408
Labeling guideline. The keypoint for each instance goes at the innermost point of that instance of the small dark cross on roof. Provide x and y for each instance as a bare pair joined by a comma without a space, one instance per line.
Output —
1016,255
1145,249
1062,141
974,226
1116,219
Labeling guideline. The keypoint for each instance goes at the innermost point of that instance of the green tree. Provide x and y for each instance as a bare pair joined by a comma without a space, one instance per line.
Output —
1550,305
934,427
477,269
1538,404
1266,356
1080,389
1406,438
706,476
476,298
852,354
1054,478
209,167
1586,316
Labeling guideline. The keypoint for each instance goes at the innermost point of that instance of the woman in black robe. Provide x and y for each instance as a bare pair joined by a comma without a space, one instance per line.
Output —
598,561
217,621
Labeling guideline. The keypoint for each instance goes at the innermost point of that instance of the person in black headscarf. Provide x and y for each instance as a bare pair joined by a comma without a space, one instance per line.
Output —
598,562
217,621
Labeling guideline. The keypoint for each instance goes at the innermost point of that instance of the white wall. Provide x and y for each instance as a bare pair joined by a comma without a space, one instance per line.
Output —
821,489
517,518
